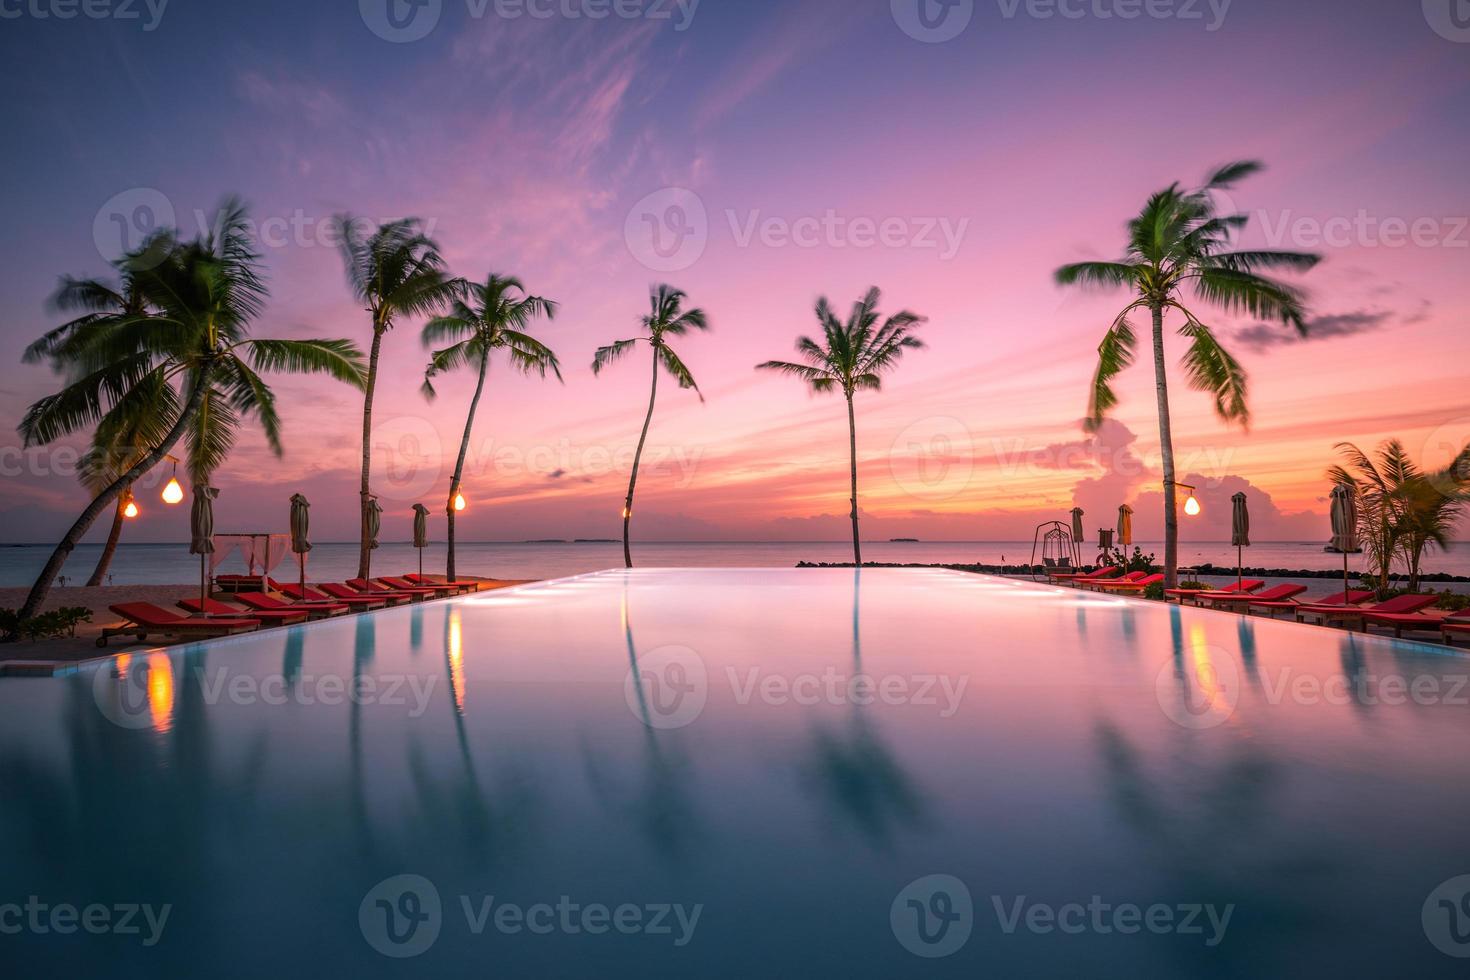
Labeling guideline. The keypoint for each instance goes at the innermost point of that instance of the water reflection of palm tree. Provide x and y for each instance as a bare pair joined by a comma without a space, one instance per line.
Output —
364,642
857,775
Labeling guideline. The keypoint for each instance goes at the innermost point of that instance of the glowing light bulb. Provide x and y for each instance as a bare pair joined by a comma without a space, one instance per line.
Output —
459,502
130,509
1192,507
627,513
172,492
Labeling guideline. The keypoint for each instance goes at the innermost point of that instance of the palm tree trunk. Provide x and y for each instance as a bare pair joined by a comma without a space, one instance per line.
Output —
637,456
100,571
364,554
857,548
109,494
464,448
1166,451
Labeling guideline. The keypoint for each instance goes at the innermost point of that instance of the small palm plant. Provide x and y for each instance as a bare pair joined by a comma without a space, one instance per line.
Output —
1180,242
187,359
667,318
395,271
496,316
1402,510
853,356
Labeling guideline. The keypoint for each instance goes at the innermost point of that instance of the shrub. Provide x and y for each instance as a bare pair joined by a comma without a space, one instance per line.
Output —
57,622
1154,592
1453,601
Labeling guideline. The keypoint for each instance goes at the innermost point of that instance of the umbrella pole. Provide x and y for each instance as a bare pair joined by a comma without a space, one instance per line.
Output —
1239,567
1344,578
301,558
203,587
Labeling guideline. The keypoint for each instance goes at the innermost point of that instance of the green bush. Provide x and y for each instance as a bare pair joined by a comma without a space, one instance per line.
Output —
1453,601
57,622
1154,592
1137,562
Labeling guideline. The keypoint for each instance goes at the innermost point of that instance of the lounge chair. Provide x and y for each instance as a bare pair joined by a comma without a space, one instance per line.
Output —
215,609
466,585
238,583
1075,577
1241,601
1402,623
1104,583
1452,629
1134,587
147,620
1350,617
356,600
1272,607
269,603
403,585
374,587
339,591
1189,595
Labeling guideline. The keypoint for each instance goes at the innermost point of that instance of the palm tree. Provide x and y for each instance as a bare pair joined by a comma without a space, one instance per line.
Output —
115,450
396,271
497,317
184,359
667,318
853,357
1180,241
1403,511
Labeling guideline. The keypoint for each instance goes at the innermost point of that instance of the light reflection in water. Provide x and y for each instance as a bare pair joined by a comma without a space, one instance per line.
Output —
161,691
1211,691
456,658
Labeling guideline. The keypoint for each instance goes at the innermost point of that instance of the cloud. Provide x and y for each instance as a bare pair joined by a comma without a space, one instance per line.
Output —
1263,336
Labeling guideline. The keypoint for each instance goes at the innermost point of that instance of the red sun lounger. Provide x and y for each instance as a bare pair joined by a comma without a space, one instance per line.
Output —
1330,615
215,609
1241,600
147,620
338,590
1353,598
1188,595
403,585
269,603
354,599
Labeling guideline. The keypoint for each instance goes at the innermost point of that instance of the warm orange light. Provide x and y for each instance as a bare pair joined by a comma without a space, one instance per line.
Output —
172,492
459,502
130,509
627,513
456,659
161,691
1192,507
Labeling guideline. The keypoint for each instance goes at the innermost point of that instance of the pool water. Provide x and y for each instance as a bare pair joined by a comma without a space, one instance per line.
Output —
737,773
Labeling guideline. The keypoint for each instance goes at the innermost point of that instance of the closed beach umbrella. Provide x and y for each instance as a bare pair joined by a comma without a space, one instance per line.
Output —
201,532
420,532
1345,526
1240,531
1125,526
300,528
374,522
1077,535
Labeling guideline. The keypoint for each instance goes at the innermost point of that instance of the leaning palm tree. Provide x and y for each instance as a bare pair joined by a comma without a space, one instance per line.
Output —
667,318
396,271
1180,242
852,357
188,359
496,315
1433,508
115,448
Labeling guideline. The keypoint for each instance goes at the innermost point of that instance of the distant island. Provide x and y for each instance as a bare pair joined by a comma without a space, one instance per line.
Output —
903,540
597,541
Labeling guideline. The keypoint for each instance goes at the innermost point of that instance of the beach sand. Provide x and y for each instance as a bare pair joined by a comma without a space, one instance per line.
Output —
97,598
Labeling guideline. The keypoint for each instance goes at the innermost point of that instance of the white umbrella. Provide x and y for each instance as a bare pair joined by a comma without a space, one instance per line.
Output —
201,533
1345,527
1240,532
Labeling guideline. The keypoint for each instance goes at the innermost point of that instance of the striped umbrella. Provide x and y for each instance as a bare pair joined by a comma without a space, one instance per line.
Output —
1240,532
420,532
300,527
1345,526
201,533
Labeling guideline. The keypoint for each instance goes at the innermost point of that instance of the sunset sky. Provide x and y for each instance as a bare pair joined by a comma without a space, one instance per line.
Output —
537,145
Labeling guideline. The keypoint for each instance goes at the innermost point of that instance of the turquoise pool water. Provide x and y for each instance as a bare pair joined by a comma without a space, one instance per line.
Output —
674,773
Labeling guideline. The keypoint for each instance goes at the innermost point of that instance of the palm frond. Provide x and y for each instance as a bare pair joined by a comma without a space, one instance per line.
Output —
340,359
1114,356
612,352
1211,368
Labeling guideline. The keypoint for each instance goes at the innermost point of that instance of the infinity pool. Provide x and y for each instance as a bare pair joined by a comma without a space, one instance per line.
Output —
744,774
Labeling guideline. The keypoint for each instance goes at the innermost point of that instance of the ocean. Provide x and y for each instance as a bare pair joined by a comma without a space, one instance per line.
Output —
171,564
